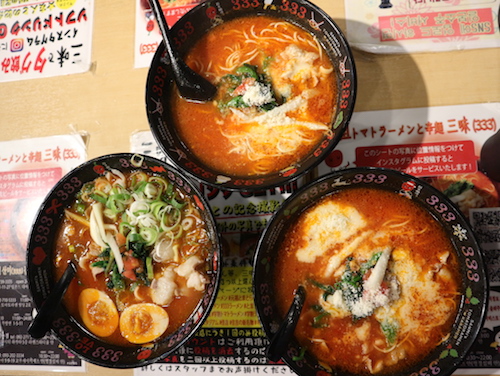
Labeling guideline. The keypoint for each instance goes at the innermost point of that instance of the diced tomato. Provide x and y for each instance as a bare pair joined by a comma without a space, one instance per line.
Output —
367,274
242,88
130,274
384,287
130,263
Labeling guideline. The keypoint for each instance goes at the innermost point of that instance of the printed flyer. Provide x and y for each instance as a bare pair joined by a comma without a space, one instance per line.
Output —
29,168
147,33
439,144
45,38
406,26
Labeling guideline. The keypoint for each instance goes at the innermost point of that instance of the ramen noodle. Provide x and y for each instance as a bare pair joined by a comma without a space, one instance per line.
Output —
381,279
141,246
276,96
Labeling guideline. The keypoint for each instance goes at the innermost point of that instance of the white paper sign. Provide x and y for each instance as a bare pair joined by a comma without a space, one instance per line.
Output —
45,38
406,26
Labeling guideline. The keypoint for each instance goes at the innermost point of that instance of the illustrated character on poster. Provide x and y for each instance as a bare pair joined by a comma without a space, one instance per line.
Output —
269,3
385,4
487,344
496,344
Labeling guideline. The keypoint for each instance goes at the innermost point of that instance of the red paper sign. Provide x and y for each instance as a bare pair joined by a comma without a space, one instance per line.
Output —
28,183
430,159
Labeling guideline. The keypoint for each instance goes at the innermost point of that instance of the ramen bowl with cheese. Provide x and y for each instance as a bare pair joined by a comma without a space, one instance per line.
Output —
147,259
394,278
286,86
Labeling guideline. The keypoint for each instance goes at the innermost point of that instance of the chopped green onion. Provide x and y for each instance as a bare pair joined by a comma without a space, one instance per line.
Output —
177,204
97,197
125,227
149,235
318,320
149,268
157,206
170,221
80,208
300,356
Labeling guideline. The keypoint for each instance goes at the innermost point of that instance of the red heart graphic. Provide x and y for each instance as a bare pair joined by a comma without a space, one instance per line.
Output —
39,255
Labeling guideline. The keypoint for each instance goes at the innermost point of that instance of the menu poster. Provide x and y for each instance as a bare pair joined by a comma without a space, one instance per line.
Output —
29,168
147,32
441,145
406,26
45,38
231,340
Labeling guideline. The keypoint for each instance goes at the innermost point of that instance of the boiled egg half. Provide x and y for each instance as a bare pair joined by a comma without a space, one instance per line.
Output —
143,322
98,312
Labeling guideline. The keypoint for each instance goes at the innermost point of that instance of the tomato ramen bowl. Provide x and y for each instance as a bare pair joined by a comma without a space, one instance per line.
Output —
147,259
286,85
394,279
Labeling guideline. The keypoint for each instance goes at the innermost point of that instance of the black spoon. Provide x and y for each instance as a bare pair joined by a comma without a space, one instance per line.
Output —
191,85
281,338
43,320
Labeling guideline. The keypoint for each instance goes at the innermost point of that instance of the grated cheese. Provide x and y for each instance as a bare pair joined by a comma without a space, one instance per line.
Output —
257,95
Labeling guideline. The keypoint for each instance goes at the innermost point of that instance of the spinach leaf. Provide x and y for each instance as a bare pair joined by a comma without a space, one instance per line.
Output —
457,188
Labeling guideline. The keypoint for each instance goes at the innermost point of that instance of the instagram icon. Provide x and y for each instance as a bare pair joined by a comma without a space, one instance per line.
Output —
16,45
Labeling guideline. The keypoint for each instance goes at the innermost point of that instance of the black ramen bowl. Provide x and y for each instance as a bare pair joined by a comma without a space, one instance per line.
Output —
209,14
472,306
41,270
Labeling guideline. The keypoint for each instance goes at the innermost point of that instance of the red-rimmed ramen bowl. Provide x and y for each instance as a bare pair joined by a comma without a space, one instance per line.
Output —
286,86
147,253
394,279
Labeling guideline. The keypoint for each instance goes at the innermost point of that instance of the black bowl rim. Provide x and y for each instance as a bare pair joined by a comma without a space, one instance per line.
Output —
403,177
217,261
275,180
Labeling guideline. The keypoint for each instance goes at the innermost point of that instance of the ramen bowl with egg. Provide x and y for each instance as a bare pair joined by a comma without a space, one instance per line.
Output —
286,86
394,278
147,256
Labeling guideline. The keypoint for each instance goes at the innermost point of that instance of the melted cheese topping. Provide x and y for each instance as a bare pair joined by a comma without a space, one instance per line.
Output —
326,226
418,292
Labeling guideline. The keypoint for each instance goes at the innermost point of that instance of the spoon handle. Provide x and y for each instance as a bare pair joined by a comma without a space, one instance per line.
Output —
175,60
280,340
43,320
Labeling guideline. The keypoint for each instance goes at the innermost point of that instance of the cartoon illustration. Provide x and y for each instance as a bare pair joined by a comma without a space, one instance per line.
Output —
496,344
269,3
385,4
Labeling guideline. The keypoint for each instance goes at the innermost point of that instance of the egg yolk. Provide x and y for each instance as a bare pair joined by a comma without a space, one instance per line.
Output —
144,322
98,312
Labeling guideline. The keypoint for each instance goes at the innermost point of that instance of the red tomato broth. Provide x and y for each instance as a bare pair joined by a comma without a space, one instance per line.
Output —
245,148
336,343
74,241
